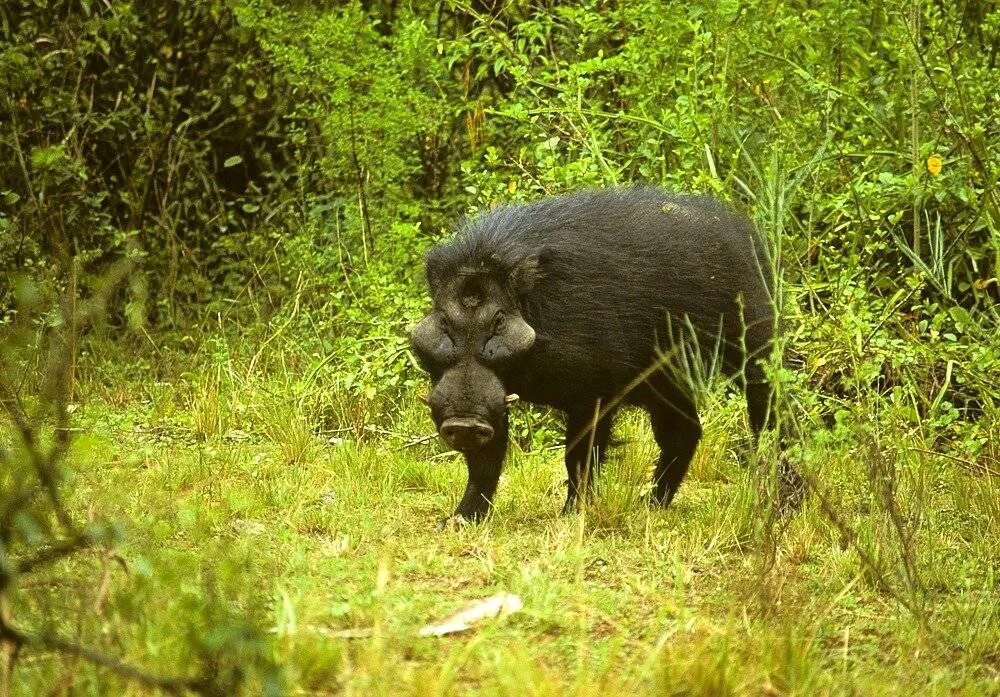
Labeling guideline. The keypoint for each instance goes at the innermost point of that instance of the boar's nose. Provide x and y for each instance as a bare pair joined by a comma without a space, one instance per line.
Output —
466,433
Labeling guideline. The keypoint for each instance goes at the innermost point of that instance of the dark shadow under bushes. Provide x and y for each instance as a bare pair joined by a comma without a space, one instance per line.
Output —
153,126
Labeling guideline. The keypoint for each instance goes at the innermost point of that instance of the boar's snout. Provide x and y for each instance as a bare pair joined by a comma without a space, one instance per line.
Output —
468,406
466,433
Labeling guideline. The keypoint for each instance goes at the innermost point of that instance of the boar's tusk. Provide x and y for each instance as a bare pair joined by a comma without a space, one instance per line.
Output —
511,399
424,398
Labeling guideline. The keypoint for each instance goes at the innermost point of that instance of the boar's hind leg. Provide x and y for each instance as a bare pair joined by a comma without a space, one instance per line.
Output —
677,430
580,459
484,474
761,406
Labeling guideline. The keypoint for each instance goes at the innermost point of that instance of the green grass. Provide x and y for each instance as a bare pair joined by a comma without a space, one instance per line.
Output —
233,494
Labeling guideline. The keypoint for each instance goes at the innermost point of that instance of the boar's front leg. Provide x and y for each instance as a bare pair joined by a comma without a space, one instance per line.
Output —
484,467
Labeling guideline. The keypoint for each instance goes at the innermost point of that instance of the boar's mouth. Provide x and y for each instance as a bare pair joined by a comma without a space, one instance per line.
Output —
470,433
466,433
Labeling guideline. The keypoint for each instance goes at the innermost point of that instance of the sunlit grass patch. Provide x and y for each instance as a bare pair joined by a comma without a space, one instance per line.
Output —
621,494
712,596
288,429
209,406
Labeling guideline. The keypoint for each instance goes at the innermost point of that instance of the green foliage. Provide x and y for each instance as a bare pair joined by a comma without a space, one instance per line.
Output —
341,140
44,540
525,100
271,174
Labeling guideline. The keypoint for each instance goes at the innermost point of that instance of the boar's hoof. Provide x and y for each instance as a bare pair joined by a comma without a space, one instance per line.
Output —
791,488
576,503
453,523
466,433
652,500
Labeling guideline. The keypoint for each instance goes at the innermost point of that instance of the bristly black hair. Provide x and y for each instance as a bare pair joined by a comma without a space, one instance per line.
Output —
500,241
491,243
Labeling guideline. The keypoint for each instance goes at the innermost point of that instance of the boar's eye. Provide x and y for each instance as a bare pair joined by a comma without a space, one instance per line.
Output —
444,327
496,351
511,339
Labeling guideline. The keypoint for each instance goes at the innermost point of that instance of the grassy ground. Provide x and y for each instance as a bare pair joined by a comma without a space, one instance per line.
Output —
227,489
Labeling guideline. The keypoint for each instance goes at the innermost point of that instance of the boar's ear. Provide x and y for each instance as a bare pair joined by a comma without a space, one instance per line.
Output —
528,271
430,340
434,268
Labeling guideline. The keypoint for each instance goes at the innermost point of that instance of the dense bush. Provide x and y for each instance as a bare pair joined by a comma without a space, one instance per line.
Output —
272,173
823,120
254,150
151,128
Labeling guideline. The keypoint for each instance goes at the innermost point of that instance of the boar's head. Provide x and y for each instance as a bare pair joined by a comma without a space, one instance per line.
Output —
472,340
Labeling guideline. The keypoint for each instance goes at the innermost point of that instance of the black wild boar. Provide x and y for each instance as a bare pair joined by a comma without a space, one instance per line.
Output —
590,299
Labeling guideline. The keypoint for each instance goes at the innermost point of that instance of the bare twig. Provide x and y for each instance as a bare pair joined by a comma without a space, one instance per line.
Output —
970,465
44,464
850,537
57,550
19,639
418,440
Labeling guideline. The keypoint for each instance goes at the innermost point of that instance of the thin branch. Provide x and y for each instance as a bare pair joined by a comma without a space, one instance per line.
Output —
851,538
54,642
57,550
43,466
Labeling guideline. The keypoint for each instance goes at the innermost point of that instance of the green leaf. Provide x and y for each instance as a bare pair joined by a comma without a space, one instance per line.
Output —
961,316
